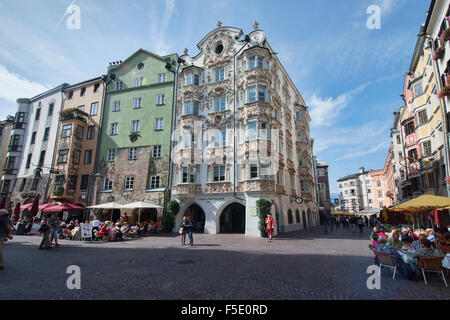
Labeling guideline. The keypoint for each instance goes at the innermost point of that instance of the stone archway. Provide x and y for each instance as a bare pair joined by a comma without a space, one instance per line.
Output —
232,219
198,217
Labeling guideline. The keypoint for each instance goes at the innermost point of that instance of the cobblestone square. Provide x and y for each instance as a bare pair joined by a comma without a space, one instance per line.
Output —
302,265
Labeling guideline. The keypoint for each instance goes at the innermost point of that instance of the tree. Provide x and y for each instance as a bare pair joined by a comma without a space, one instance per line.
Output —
173,207
263,208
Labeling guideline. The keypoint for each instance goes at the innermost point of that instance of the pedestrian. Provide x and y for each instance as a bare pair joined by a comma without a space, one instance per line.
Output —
190,227
54,224
353,222
360,225
183,230
5,233
366,221
270,223
45,230
343,223
337,223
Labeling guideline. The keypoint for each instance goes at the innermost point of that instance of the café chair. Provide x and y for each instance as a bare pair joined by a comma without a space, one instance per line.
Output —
388,260
432,264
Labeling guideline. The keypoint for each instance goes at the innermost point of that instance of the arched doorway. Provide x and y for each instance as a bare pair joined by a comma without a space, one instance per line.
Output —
232,219
198,217
304,220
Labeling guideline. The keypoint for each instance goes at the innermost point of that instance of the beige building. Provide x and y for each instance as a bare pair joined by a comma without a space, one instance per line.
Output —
76,142
6,127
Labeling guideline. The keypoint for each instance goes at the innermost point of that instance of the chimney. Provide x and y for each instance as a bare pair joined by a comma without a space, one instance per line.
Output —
361,170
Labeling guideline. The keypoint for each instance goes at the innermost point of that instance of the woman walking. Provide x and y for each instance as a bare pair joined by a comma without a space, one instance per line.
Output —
45,230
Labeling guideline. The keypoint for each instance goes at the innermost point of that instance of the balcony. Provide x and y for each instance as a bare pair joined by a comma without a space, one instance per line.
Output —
184,189
304,171
73,114
9,171
19,125
218,187
14,148
307,196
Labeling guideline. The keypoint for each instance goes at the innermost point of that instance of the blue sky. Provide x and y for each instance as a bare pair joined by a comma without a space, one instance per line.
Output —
351,77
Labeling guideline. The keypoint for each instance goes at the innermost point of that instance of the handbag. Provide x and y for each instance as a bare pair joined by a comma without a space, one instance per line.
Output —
181,230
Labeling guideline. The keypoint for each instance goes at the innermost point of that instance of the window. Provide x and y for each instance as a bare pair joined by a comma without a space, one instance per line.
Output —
256,62
42,158
114,129
76,156
116,106
34,185
161,77
11,163
156,152
140,66
398,139
304,186
83,92
380,195
418,90
187,175
46,134
369,191
139,81
412,155
220,138
191,108
423,117
160,99
96,87
257,130
257,93
73,182
29,161
33,138
132,154
111,155
159,124
253,171
379,183
277,114
137,103
119,85
90,133
84,182
79,133
66,131
62,156
38,114
155,182
219,173
135,126
22,186
107,184
427,149
94,108
51,107
129,183
409,128
220,75
196,79
219,104
290,217
88,157
70,95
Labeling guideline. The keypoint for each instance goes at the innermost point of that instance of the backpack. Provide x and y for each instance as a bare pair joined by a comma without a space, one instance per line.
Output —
43,228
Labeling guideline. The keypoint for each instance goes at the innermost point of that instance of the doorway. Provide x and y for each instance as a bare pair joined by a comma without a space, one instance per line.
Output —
232,219
198,217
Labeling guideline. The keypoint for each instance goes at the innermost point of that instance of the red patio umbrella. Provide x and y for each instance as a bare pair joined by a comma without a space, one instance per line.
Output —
26,207
35,207
17,211
3,203
64,207
46,206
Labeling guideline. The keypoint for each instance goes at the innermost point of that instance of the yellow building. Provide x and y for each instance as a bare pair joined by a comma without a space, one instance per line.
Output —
76,144
6,127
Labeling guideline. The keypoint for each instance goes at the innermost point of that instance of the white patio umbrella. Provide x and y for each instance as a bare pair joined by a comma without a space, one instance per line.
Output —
108,206
141,205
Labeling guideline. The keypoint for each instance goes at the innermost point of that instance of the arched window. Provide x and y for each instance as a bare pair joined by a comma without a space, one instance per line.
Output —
290,217
297,215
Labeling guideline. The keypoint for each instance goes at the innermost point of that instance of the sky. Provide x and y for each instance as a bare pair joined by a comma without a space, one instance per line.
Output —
350,76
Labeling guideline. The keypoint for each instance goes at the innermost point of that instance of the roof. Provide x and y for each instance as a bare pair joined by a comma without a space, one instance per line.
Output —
83,82
322,163
162,58
46,93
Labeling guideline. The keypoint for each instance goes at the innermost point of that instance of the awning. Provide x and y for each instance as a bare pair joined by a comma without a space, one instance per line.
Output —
343,213
424,203
107,206
369,212
141,205
63,207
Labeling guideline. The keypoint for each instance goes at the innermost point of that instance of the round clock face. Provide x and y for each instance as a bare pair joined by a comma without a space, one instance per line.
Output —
299,200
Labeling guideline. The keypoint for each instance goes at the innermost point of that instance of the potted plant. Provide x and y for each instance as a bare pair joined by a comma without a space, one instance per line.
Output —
173,207
445,92
134,137
446,35
263,209
439,53
58,191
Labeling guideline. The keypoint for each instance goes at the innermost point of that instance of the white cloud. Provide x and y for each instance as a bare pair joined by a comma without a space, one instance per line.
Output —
159,24
13,86
366,151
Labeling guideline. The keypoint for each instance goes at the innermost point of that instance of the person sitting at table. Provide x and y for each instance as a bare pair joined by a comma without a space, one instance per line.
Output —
104,231
431,236
125,229
76,229
395,241
374,244
118,234
384,247
416,245
427,251
71,225
407,244
374,231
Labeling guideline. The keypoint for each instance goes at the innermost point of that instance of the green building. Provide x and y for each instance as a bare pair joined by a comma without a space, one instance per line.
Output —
134,148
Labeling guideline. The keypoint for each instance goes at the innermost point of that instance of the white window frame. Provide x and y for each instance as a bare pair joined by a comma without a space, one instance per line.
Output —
137,103
160,99
220,104
155,182
139,81
111,155
119,85
161,77
135,126
116,106
114,130
187,175
94,109
159,124
219,177
219,74
107,185
132,153
129,183
156,152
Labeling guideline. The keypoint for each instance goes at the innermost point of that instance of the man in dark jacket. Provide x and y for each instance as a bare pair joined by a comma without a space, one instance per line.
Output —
5,232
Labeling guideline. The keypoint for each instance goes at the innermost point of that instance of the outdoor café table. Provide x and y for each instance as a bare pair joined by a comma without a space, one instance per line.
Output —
406,256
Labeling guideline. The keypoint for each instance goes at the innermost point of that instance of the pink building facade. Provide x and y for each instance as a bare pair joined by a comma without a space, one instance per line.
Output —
383,184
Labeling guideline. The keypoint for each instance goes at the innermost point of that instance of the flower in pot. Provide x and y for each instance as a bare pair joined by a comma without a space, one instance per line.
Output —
134,137
445,92
439,53
446,35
